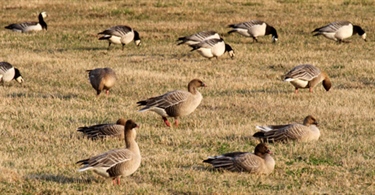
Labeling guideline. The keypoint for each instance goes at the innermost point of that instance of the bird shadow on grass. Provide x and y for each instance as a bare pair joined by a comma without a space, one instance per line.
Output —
60,179
40,95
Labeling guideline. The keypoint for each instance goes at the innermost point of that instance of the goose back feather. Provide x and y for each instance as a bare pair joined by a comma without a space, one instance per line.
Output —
118,162
308,131
259,162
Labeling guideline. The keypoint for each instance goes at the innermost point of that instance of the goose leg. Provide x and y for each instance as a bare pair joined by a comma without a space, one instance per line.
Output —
109,45
107,92
296,91
311,90
166,121
176,122
123,47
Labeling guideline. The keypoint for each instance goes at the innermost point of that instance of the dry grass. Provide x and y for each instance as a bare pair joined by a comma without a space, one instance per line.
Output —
38,120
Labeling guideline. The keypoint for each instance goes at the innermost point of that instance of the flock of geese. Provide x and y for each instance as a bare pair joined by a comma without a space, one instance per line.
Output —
125,161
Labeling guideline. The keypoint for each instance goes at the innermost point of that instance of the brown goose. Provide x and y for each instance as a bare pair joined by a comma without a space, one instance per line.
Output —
307,76
175,103
118,162
104,130
102,79
259,162
308,131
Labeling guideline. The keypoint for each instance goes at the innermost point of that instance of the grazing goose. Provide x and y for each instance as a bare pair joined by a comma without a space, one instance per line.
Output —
307,76
175,103
30,26
104,130
118,162
339,31
8,73
213,48
102,79
254,28
198,37
120,35
259,162
308,131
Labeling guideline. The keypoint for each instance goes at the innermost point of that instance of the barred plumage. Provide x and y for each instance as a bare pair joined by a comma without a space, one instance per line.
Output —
175,103
307,76
259,162
340,30
120,34
210,48
104,130
8,73
118,162
198,37
254,29
308,131
30,26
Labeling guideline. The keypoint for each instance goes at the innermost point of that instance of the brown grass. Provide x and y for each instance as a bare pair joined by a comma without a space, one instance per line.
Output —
38,120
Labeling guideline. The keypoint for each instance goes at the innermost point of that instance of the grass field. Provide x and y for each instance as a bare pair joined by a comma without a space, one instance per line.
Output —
38,121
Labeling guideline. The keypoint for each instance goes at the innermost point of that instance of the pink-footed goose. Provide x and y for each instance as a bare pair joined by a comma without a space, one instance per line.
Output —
307,76
259,162
102,79
308,131
104,130
175,103
118,162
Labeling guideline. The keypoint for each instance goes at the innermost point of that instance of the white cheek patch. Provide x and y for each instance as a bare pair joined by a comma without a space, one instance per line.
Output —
19,79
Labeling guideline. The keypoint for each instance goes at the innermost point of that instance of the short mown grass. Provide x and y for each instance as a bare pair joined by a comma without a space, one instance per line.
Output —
40,145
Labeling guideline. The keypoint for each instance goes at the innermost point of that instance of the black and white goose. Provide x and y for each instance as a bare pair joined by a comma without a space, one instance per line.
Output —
198,37
339,31
8,73
213,48
30,26
120,34
254,29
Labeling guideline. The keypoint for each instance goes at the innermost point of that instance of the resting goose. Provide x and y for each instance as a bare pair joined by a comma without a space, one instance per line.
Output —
259,162
104,130
339,31
8,73
118,162
198,37
30,26
175,103
254,29
102,79
213,48
120,35
308,131
307,76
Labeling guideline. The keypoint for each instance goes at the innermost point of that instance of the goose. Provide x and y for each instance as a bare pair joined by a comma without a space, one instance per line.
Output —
254,29
308,131
259,162
175,103
120,34
104,130
30,26
198,37
117,162
340,30
8,73
102,79
307,76
213,48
